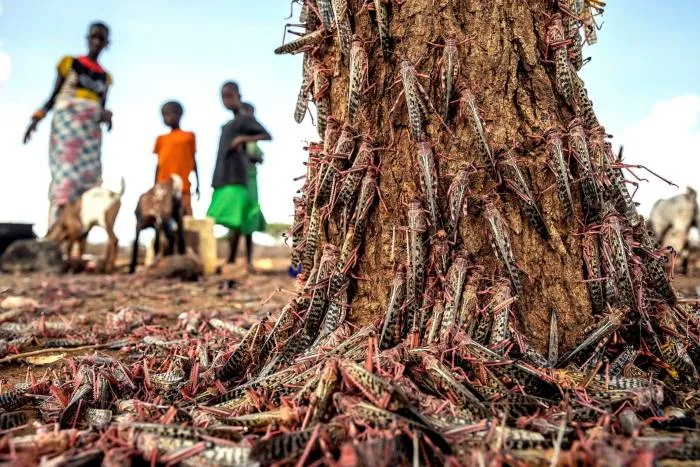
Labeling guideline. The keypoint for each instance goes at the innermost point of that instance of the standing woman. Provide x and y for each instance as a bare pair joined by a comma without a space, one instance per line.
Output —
78,99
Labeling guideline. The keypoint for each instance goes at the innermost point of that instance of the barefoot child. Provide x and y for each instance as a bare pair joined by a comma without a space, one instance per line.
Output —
175,152
230,204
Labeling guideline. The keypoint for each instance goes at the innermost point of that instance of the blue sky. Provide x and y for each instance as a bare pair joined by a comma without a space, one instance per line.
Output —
644,80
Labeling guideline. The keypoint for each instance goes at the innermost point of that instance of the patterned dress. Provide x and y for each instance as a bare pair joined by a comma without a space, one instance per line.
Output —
76,136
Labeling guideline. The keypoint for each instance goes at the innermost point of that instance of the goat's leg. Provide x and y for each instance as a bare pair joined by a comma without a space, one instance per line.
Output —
685,254
156,243
685,258
108,256
170,236
113,245
69,248
82,246
135,251
111,253
180,235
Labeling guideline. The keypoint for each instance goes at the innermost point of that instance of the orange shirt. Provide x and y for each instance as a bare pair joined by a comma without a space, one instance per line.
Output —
176,156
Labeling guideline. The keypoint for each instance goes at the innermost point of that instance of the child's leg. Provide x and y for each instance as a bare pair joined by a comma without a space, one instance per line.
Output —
249,250
233,245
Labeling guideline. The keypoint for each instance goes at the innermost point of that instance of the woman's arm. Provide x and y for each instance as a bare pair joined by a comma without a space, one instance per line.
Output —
106,114
56,88
41,113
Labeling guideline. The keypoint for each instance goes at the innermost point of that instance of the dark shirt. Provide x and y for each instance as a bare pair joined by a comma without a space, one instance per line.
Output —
232,164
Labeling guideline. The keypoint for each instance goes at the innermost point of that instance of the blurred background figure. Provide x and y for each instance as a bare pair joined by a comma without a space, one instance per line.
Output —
257,221
176,154
79,99
671,220
231,205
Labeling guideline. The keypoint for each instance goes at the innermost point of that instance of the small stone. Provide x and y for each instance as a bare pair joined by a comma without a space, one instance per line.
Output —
25,256
186,267
629,422
18,302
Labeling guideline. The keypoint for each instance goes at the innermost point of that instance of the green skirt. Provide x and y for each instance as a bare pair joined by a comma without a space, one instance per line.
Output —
232,207
257,222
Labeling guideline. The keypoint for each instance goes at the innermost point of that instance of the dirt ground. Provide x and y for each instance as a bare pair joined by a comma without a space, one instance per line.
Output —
88,303
113,316
689,285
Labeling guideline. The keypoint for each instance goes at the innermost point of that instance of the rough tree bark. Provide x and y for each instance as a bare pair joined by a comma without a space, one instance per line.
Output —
482,97
452,324
501,48
461,309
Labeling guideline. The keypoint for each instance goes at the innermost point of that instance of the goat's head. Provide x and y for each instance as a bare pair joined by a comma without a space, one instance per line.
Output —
68,225
160,192
160,202
57,232
177,185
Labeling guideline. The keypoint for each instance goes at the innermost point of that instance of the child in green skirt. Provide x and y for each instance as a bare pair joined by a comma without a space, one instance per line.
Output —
231,205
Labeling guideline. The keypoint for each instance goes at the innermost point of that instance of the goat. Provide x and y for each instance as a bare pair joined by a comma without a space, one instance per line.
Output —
157,208
671,220
97,206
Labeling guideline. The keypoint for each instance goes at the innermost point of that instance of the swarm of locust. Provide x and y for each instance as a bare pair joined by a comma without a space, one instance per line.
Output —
426,385
447,374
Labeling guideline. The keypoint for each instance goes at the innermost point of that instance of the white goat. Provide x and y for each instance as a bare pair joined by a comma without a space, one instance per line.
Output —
671,220
99,206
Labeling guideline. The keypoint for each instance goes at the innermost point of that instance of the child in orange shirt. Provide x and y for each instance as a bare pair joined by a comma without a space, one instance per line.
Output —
175,153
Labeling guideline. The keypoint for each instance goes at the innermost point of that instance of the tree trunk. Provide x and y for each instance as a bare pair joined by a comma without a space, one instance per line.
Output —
500,48
480,99
501,201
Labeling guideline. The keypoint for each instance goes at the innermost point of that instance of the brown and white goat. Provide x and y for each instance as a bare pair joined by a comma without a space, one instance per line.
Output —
97,206
158,208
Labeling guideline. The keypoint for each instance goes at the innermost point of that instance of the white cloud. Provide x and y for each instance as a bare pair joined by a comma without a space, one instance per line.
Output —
666,141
